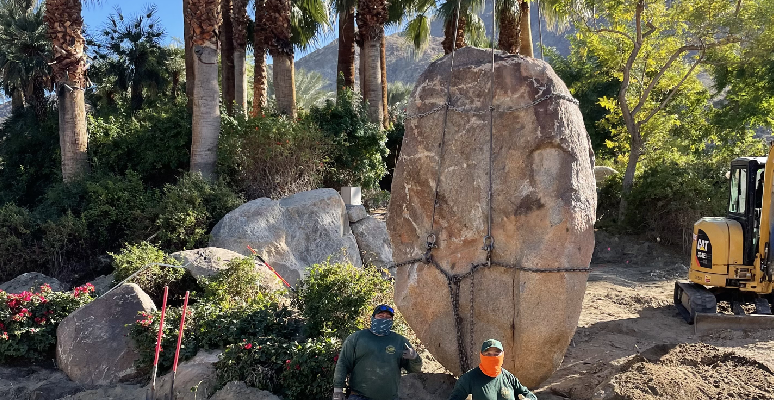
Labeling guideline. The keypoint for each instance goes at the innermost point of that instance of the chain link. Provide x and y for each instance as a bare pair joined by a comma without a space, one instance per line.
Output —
474,111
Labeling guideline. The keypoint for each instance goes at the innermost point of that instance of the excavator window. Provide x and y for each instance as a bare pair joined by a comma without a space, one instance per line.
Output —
738,203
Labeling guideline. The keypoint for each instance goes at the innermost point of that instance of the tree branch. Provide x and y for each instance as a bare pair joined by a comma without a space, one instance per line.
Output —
627,115
672,92
661,73
624,34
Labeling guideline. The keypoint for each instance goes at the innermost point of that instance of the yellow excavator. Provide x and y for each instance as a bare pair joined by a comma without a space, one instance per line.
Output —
731,260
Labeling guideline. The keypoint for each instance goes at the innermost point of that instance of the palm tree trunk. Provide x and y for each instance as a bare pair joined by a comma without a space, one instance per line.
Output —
227,57
525,34
345,67
373,80
383,69
361,69
17,101
239,18
449,35
189,71
205,20
136,99
508,40
64,21
259,50
284,84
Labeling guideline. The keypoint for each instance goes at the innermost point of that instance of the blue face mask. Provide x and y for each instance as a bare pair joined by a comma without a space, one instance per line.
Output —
380,327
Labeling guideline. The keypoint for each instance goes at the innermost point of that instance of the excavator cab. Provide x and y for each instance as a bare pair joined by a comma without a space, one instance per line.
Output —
730,255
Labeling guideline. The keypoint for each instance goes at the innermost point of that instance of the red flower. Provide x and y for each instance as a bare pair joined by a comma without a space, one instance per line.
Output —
90,287
26,296
287,361
46,288
336,358
40,320
298,367
2,326
248,346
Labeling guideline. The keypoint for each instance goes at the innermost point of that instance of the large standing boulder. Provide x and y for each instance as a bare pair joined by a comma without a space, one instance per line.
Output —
373,242
292,233
31,282
206,262
93,345
542,212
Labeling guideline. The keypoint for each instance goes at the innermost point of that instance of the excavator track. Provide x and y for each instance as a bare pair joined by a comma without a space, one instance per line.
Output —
691,298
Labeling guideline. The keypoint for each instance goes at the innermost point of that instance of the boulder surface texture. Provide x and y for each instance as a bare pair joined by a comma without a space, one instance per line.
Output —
195,379
373,242
292,233
208,261
240,391
542,212
31,282
93,345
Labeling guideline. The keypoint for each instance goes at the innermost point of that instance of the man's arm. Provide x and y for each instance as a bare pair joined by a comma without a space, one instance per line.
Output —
461,389
345,363
520,389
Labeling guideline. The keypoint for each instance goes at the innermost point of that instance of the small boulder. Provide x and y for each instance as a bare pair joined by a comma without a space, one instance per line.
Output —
195,378
102,284
93,345
426,386
601,173
209,261
373,241
31,282
356,213
239,391
292,233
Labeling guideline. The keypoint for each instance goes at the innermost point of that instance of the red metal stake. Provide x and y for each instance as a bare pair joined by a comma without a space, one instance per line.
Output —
177,351
158,343
270,267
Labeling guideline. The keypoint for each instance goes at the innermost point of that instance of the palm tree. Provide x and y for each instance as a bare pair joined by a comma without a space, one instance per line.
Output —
63,18
227,56
371,17
24,54
239,25
204,16
260,47
525,31
509,26
189,77
345,67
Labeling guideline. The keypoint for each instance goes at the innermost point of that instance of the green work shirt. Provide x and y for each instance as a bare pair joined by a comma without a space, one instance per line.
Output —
373,364
502,387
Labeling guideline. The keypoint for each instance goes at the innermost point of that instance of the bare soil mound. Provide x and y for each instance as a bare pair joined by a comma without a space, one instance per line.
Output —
690,371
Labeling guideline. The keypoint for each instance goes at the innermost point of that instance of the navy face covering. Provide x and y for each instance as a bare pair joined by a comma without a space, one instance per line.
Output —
380,327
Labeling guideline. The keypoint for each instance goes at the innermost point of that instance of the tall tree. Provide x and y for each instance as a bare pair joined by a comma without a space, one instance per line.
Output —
371,16
653,52
65,25
509,24
204,16
281,50
345,66
525,31
239,25
24,54
260,40
189,56
227,56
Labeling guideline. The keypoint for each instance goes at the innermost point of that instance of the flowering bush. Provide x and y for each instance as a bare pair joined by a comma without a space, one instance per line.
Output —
28,321
309,374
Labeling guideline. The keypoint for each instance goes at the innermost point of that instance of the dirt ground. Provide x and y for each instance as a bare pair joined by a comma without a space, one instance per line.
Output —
627,310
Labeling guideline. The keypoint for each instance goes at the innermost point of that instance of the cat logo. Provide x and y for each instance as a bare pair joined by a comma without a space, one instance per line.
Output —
390,349
707,279
505,392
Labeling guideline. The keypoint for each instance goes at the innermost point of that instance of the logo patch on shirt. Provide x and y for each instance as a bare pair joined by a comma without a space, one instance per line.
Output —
390,349
505,392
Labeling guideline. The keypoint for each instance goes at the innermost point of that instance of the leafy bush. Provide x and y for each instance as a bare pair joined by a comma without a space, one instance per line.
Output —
190,209
152,280
309,374
259,363
144,333
19,249
334,297
28,321
271,156
237,285
359,146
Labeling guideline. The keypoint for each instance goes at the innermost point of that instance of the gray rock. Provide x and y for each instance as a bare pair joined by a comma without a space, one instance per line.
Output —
240,391
292,233
31,282
35,383
93,345
601,173
198,373
209,261
356,213
373,242
543,211
118,392
426,386
103,283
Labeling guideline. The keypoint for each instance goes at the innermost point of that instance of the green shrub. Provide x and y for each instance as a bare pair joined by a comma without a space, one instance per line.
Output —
144,333
66,247
19,248
154,142
237,285
334,298
309,374
152,280
259,363
359,146
190,209
271,156
28,321
218,327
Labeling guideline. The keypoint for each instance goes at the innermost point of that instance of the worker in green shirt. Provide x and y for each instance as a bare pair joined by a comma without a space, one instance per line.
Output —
489,381
372,359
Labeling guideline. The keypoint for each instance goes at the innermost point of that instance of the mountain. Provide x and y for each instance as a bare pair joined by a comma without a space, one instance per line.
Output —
404,64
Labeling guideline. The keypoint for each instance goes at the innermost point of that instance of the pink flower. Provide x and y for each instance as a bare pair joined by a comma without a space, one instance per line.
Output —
26,296
248,346
46,288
